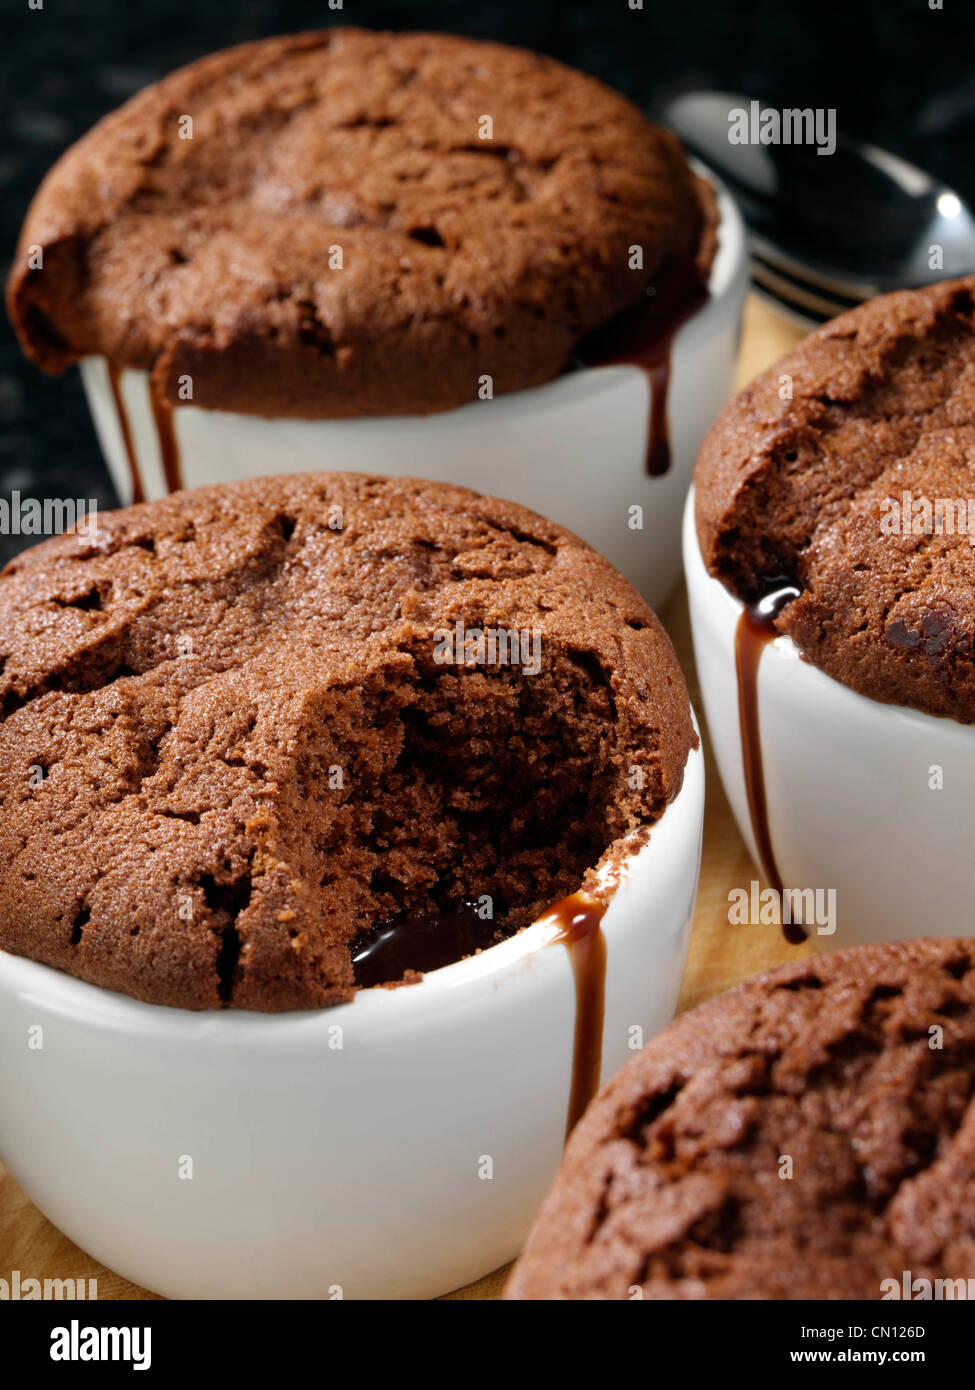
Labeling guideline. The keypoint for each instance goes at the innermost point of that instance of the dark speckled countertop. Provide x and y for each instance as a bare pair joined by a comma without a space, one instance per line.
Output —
898,72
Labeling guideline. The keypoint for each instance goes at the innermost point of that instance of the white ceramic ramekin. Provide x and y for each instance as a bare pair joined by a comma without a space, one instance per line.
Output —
574,449
849,783
402,1164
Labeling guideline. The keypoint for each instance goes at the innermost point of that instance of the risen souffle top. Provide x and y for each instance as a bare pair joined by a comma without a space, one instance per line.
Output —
232,736
337,238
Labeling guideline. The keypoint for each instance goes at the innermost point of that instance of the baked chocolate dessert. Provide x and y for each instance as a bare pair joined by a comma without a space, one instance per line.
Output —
845,472
351,223
245,729
810,1134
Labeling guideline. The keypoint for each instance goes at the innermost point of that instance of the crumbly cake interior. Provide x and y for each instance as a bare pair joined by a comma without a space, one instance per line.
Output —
250,752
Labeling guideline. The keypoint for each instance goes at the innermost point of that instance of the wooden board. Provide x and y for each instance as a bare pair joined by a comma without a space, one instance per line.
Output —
720,954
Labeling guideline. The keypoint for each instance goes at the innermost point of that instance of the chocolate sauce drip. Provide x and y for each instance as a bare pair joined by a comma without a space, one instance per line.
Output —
115,379
162,414
421,941
756,628
580,931
643,337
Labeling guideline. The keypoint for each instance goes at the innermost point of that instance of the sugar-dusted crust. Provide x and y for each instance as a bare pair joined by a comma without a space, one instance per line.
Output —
461,257
191,679
808,1135
882,405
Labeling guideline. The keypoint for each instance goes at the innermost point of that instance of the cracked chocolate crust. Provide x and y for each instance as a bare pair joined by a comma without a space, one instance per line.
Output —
227,746
883,405
209,257
675,1183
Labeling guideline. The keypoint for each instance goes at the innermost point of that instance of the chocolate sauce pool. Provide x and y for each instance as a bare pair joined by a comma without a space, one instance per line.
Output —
756,628
643,337
422,941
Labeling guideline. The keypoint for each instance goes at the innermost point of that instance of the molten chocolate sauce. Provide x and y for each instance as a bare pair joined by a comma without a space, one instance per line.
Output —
115,379
643,337
421,941
162,415
756,628
580,931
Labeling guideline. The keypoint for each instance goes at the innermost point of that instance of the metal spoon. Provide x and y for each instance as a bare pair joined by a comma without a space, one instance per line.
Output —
829,230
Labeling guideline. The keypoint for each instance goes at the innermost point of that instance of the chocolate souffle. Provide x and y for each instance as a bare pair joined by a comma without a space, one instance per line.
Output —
238,735
825,475
340,233
808,1135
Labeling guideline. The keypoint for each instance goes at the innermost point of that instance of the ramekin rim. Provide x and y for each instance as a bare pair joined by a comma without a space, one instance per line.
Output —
785,648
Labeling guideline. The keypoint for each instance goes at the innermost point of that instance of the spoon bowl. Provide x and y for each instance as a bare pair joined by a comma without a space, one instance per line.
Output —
829,230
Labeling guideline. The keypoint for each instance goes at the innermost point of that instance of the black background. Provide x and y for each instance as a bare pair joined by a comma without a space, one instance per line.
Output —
898,73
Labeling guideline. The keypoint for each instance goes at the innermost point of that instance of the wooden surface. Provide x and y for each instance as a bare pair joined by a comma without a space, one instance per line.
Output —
720,954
